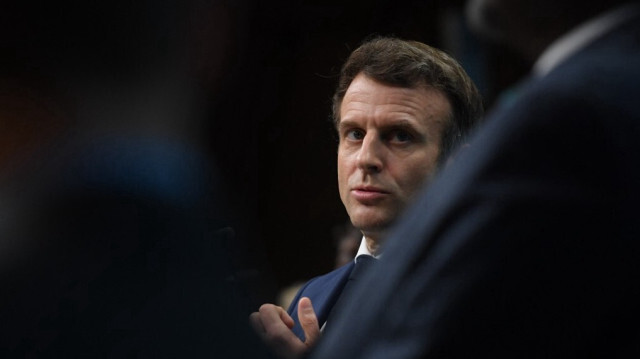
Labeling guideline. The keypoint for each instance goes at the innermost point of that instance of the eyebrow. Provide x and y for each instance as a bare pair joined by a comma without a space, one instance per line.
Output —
346,123
402,123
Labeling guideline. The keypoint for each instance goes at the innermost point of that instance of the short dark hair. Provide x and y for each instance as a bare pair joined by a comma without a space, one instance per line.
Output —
412,64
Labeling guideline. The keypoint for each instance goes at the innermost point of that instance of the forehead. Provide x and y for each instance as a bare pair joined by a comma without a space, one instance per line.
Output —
366,98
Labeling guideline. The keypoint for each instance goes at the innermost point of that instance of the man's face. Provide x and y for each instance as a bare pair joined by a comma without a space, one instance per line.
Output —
389,145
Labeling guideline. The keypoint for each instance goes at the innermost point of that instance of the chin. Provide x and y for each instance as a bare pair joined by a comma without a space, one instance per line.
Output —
372,225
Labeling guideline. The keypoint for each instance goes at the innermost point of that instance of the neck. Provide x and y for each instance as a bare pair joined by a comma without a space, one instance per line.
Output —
373,242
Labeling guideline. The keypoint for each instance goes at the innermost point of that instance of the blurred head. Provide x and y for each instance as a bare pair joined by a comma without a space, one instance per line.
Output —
92,100
529,26
400,108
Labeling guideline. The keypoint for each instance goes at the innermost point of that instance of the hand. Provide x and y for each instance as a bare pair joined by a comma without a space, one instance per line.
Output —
274,324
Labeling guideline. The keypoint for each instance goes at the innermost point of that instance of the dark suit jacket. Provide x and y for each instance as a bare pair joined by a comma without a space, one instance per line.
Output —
323,292
528,246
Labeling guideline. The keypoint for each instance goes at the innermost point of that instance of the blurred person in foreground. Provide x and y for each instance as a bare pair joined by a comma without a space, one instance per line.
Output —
400,109
109,210
527,246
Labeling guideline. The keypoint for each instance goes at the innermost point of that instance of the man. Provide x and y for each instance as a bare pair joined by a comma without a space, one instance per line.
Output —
526,246
399,110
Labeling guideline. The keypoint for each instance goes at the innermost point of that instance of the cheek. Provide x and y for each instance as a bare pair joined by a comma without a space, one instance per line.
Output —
342,175
414,177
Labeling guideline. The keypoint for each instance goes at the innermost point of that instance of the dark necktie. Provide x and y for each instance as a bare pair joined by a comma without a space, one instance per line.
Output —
363,264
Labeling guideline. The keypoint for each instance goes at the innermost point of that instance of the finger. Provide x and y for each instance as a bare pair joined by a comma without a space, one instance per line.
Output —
274,314
256,323
308,321
277,333
286,318
273,318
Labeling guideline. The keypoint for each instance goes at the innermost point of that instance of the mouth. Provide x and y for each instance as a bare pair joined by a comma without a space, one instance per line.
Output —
369,189
369,194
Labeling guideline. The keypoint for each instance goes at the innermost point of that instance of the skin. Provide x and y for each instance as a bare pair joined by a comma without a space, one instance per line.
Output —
389,145
273,324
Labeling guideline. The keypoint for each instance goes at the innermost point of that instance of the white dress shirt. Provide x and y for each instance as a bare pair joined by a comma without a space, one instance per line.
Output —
364,250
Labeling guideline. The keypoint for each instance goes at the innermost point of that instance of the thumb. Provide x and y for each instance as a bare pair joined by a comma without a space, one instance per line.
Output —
308,321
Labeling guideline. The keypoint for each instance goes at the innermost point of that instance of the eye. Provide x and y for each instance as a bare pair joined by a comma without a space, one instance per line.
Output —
400,136
355,135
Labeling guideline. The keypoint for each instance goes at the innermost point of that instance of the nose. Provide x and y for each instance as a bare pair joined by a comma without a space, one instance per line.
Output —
369,157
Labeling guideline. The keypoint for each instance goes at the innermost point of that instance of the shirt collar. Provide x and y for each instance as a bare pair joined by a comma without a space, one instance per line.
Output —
364,250
581,36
